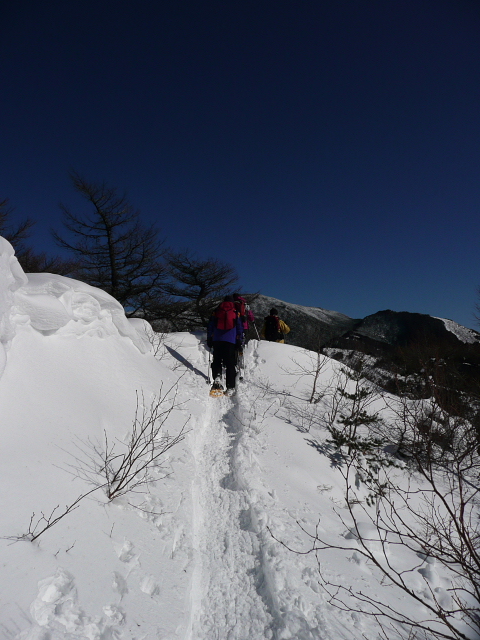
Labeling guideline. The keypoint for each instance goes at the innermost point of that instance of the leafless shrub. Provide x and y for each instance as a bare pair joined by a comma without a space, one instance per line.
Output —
117,467
39,524
441,529
430,511
157,342
121,466
316,363
304,417
425,505
266,388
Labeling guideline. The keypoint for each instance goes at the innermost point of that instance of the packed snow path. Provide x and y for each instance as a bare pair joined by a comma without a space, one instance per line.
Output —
241,585
232,599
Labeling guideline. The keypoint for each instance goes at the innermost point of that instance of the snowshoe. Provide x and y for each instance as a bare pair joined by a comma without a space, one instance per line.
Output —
216,390
229,393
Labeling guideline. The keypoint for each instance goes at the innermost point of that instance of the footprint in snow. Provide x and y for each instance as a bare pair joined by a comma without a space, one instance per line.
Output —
114,615
119,584
150,586
125,552
56,613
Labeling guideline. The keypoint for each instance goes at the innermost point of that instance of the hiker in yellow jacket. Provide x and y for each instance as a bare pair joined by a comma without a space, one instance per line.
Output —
273,328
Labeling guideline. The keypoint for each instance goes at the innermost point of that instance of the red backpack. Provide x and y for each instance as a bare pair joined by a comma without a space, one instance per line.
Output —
226,316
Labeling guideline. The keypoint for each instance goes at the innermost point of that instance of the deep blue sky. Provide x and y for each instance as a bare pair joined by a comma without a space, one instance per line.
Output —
328,149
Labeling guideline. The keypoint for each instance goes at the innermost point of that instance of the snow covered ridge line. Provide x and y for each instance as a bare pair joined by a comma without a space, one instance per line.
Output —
464,334
53,304
326,315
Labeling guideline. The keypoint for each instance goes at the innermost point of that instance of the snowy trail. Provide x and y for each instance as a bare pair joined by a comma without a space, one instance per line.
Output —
228,591
244,584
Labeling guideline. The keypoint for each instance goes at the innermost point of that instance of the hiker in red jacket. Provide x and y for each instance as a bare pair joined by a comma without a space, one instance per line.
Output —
225,335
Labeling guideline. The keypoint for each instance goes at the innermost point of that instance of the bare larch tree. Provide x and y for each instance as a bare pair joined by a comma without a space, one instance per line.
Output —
113,250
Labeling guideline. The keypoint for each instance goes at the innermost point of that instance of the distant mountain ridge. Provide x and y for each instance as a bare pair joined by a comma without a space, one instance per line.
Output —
403,327
311,327
396,342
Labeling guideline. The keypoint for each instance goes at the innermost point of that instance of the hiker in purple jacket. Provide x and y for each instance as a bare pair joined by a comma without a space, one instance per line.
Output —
224,335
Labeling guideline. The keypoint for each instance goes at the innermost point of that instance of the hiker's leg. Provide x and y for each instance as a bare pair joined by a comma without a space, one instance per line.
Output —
217,360
229,360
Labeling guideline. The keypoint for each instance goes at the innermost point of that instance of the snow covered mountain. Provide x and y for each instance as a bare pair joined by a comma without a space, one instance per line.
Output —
311,327
199,545
399,328
402,342
388,336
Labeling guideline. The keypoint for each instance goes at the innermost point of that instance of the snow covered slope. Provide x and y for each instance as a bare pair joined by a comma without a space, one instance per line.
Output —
195,552
464,334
